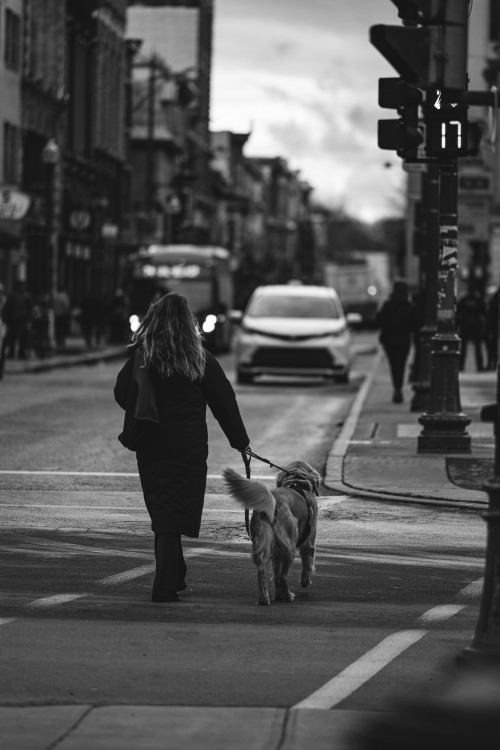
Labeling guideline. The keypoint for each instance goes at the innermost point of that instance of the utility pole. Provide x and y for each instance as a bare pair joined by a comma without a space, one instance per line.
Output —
430,203
444,423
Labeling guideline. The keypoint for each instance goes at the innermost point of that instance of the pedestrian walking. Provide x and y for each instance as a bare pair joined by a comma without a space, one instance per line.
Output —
396,320
62,316
93,319
40,340
165,387
118,318
3,330
471,320
18,313
491,330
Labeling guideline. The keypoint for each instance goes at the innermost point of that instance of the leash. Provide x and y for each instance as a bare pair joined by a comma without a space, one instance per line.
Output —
264,460
246,456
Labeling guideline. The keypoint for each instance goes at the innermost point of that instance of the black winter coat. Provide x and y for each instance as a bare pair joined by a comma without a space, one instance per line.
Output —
172,453
397,321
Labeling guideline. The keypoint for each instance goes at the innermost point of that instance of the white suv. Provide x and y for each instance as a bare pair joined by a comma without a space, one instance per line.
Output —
292,329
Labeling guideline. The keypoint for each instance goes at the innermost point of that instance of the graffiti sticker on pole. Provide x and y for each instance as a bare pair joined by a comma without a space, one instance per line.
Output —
448,247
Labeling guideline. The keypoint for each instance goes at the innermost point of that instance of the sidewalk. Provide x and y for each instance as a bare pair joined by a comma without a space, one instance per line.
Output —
76,352
374,456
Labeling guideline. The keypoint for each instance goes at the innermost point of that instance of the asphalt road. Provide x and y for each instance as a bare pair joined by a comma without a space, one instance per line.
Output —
388,610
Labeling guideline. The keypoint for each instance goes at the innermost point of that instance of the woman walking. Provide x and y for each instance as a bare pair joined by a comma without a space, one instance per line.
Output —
397,320
165,387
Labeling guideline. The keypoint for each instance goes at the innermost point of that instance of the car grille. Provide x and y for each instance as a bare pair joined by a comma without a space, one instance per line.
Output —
292,357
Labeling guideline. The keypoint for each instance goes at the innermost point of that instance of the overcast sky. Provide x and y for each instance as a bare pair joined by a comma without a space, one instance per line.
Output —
302,76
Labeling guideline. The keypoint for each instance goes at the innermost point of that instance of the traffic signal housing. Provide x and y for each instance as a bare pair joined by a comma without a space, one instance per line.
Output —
404,135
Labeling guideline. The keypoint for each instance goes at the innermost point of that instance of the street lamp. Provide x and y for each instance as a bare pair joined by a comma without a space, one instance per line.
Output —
50,158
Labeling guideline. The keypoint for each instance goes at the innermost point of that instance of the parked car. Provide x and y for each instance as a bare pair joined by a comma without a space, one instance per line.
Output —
291,329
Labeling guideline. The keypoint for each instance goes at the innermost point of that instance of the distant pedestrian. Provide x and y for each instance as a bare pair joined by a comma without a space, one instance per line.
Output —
18,315
396,320
165,387
419,301
93,319
3,330
40,342
62,316
118,318
491,330
471,323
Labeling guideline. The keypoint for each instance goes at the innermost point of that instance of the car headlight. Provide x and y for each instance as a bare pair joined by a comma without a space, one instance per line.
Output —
209,323
134,322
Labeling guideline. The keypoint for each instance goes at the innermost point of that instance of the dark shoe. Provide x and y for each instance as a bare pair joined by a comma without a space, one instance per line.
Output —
398,397
171,598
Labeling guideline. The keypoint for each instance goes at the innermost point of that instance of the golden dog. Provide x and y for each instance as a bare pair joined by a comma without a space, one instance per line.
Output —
283,519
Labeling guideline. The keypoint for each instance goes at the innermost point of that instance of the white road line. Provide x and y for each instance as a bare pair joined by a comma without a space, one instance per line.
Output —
142,570
440,613
472,591
73,506
362,670
403,560
53,601
126,474
50,472
6,620
127,575
341,444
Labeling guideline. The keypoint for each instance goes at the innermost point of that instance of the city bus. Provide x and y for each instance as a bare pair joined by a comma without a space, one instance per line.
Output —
201,273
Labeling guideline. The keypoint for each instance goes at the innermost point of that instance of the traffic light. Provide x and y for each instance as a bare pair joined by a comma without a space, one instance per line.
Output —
406,134
406,49
446,124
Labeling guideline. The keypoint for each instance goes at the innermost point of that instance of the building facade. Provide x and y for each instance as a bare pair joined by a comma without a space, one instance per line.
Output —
14,203
172,177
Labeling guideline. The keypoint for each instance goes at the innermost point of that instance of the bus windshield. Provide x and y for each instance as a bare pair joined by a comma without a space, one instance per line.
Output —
197,292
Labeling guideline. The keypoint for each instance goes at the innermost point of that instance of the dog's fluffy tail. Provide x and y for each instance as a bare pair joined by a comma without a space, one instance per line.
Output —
249,493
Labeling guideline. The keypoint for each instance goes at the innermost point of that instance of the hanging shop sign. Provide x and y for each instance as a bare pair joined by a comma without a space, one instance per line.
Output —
13,204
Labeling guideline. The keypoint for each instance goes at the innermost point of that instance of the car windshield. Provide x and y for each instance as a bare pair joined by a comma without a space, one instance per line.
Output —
292,306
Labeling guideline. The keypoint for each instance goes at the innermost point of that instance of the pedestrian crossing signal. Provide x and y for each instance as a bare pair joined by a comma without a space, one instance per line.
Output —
446,124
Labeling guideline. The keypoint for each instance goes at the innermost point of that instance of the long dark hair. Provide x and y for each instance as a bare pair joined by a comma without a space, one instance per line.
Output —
171,338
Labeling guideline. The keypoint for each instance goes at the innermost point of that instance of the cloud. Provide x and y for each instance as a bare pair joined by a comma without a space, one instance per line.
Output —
302,77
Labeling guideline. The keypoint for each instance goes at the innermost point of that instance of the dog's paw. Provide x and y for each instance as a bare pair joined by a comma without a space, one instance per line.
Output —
287,596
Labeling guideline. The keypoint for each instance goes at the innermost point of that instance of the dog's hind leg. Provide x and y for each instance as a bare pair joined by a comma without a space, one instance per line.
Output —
262,542
282,560
306,551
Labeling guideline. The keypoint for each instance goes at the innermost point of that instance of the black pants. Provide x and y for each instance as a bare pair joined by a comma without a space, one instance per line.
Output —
170,565
477,343
397,356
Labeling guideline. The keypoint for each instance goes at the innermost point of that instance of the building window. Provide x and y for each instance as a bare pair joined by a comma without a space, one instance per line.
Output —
10,153
12,40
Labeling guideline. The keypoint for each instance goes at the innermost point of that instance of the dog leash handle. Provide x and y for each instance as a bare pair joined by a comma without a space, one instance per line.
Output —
247,457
